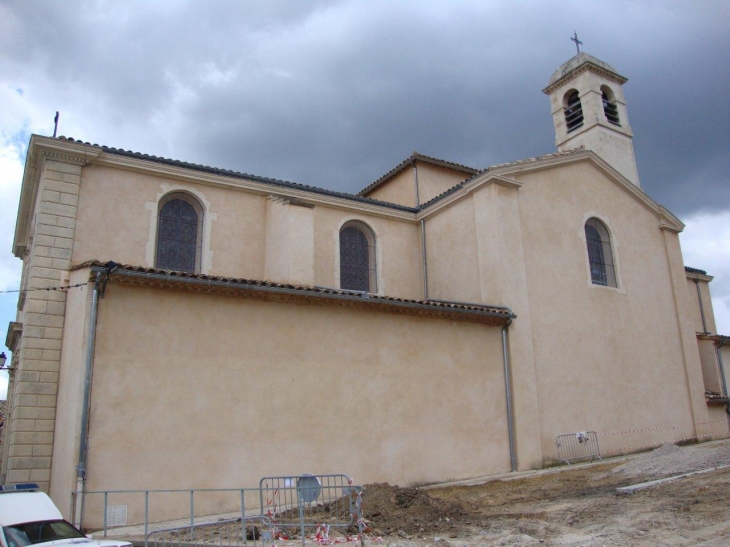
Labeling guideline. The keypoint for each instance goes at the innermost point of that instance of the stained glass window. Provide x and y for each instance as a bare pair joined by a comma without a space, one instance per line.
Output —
600,256
178,232
357,258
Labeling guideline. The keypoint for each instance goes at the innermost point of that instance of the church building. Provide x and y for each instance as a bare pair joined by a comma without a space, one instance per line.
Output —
203,328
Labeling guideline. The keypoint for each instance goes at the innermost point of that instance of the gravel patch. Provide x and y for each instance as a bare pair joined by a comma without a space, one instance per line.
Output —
670,459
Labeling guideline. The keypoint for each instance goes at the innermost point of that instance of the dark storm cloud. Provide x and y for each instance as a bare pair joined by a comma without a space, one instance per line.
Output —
334,94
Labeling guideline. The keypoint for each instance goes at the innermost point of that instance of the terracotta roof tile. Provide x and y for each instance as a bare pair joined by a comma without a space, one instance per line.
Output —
408,161
499,166
359,197
694,270
497,314
716,398
240,175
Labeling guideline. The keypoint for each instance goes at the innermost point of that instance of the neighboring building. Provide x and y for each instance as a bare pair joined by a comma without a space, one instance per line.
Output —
253,327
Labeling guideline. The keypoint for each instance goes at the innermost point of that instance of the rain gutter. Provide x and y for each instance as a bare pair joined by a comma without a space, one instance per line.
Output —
424,264
361,297
718,350
702,308
415,180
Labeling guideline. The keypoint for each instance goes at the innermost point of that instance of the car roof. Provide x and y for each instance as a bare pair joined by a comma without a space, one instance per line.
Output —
19,507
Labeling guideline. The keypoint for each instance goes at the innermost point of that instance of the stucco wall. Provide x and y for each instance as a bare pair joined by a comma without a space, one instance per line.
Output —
117,220
194,391
609,360
398,250
434,180
248,235
451,243
70,392
400,189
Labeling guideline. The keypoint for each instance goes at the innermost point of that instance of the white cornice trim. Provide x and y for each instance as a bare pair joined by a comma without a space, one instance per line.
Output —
585,67
486,178
71,152
39,150
504,175
213,179
699,276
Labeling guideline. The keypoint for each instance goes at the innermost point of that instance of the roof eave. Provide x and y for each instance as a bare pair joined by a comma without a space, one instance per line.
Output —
275,291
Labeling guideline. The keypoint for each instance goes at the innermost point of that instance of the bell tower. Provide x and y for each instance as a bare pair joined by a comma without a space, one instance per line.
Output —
589,110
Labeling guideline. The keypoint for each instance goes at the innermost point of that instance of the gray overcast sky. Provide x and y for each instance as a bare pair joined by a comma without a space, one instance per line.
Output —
336,93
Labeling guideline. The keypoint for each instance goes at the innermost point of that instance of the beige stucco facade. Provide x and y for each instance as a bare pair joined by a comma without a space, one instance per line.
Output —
257,363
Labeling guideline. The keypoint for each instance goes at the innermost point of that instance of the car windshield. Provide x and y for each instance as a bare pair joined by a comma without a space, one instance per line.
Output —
20,535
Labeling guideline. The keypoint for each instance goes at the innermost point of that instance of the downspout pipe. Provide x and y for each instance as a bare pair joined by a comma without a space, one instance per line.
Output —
102,276
424,264
83,437
718,350
415,181
508,393
702,308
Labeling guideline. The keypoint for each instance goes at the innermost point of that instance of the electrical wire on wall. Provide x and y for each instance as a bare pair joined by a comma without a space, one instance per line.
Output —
59,288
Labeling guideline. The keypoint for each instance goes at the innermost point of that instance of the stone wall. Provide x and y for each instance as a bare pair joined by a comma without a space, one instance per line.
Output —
35,384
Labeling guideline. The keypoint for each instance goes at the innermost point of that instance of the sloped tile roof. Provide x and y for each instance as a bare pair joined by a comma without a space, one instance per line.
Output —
715,398
359,197
694,270
469,312
240,175
499,166
408,161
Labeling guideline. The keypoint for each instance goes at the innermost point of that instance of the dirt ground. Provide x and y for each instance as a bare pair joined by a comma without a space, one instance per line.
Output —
576,507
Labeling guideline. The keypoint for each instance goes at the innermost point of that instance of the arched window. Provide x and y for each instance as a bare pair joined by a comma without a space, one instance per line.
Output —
357,258
600,256
179,233
610,110
573,111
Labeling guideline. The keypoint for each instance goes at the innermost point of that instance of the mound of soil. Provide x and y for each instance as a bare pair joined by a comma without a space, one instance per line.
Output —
391,509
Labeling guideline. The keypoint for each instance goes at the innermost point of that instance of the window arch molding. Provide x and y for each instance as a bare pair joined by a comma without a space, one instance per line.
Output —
601,253
206,218
358,256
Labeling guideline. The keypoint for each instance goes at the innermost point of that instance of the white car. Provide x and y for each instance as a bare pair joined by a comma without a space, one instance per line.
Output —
29,517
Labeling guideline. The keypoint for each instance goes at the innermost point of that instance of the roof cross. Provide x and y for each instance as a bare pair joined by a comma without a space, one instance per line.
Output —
578,43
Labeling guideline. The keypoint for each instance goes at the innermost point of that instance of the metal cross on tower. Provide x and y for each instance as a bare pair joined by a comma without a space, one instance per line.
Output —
578,43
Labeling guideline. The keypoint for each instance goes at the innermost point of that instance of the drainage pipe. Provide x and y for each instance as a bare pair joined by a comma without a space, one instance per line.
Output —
415,180
423,259
718,350
702,308
83,437
508,392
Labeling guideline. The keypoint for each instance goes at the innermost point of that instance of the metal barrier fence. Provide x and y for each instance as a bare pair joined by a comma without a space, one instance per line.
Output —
247,531
317,502
286,506
155,509
576,446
